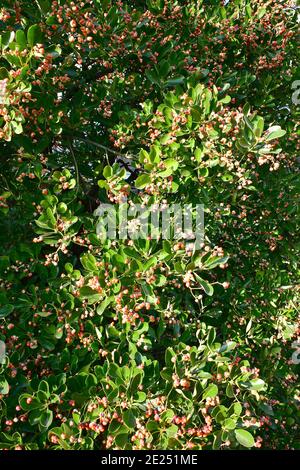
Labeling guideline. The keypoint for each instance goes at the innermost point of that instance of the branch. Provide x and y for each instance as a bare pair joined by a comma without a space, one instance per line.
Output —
95,76
75,164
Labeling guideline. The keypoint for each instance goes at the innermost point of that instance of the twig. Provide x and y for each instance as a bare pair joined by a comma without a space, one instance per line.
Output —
75,164
103,147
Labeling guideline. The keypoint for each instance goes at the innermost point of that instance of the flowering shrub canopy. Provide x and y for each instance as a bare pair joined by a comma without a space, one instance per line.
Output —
145,343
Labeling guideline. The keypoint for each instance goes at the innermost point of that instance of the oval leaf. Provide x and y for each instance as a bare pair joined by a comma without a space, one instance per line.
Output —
244,438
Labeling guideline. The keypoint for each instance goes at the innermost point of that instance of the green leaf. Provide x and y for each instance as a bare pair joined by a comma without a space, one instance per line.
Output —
172,430
132,253
207,100
210,392
168,416
236,409
17,127
44,387
228,346
261,12
164,68
211,337
169,357
89,262
244,438
7,38
28,402
155,153
151,262
103,184
249,123
46,342
62,208
142,181
21,39
4,387
34,35
46,419
171,165
140,397
44,314
274,132
248,11
257,384
153,76
206,286
42,396
214,261
107,172
121,440
13,60
229,423
102,307
226,99
135,382
6,310
44,5
69,268
229,390
3,73
129,419
174,81
90,294
34,417
227,177
51,218
259,127
217,441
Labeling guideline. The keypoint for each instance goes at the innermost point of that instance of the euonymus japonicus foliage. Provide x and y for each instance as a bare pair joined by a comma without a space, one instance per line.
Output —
149,343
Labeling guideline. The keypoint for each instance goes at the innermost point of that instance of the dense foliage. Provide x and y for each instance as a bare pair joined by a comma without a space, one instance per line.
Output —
149,343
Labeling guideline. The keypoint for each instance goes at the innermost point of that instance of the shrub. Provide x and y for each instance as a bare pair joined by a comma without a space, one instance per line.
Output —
149,343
